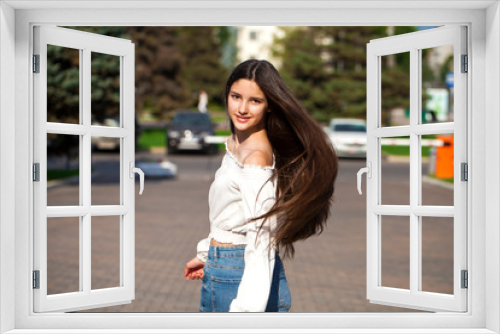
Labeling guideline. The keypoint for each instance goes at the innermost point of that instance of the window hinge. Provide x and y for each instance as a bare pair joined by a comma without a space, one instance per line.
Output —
36,279
465,64
36,63
36,172
465,279
465,171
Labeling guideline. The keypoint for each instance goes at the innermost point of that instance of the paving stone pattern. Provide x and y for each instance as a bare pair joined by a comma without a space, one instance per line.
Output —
328,273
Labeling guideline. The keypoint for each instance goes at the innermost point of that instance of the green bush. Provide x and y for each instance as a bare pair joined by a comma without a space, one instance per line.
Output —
403,150
152,138
56,174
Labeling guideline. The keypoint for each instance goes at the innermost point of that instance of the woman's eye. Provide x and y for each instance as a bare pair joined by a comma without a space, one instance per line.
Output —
257,101
235,96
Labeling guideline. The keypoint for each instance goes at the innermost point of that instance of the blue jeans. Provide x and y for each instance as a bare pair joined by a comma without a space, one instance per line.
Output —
222,276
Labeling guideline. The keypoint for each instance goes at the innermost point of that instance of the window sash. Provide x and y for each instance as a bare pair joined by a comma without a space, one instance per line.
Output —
413,298
85,298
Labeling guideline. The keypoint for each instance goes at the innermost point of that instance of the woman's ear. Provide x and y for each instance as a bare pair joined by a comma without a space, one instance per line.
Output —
268,109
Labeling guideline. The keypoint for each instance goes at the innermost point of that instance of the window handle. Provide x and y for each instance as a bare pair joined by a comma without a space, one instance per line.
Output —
134,170
368,171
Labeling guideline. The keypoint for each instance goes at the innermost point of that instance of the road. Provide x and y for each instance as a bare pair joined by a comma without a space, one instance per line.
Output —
327,274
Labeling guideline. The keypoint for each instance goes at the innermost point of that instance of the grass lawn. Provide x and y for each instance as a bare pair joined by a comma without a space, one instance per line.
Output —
219,119
158,138
403,150
152,138
56,174
225,133
452,180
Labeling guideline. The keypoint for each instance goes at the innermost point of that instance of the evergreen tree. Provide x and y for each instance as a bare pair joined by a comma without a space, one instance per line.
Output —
172,64
202,49
159,85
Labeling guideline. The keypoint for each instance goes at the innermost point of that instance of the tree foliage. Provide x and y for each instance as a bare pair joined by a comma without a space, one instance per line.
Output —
172,64
326,68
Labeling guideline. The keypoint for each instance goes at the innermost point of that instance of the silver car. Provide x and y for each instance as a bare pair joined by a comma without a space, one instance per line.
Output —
348,136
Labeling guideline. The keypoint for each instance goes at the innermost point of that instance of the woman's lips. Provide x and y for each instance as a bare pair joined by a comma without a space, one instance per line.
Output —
242,119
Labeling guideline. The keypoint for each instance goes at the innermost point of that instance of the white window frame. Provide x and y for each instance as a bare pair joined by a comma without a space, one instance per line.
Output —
85,297
483,21
414,211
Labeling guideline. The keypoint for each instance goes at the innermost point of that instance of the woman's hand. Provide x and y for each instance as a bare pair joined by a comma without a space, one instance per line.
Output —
194,269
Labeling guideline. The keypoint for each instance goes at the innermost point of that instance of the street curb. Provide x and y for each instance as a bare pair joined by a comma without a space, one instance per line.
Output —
69,180
158,150
437,182
400,159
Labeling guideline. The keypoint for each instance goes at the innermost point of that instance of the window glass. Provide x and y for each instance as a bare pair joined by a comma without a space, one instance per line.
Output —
395,170
437,84
395,240
63,85
63,255
437,170
105,246
437,254
105,90
63,170
106,171
395,89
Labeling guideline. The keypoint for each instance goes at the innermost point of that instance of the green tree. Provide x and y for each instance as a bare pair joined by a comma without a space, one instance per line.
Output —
159,85
63,81
326,68
172,64
202,49
63,84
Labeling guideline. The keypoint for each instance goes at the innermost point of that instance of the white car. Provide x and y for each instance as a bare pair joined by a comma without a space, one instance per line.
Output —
157,167
348,136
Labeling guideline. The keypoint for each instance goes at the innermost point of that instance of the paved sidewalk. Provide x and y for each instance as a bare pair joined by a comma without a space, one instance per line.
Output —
328,273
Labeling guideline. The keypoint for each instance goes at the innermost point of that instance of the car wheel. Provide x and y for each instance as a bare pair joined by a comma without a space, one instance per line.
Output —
212,149
172,150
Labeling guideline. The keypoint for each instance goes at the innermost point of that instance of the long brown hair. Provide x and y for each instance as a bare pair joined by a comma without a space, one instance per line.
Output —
306,163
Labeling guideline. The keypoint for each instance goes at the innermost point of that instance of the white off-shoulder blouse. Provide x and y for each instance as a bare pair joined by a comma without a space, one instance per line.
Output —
239,193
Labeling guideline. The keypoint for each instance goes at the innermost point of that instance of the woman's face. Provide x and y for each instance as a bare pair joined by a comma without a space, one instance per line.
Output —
247,106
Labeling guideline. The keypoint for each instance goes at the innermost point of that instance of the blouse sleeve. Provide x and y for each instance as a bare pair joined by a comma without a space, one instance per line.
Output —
255,286
202,249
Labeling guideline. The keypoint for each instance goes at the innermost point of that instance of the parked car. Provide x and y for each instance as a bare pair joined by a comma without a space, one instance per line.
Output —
110,143
348,136
157,167
188,131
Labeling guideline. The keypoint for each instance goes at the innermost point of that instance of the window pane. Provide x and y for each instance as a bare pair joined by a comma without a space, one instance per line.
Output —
105,252
395,171
106,171
437,170
105,90
437,84
395,241
63,85
63,255
395,96
63,170
437,254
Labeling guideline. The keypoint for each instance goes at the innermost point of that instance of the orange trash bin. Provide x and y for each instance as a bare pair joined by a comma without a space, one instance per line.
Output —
444,158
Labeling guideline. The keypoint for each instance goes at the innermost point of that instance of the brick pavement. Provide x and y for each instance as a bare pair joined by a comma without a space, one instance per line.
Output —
328,273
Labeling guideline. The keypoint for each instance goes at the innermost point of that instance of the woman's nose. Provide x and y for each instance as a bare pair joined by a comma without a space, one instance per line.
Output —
242,108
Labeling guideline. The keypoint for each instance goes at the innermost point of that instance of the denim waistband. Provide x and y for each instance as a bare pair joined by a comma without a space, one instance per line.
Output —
226,251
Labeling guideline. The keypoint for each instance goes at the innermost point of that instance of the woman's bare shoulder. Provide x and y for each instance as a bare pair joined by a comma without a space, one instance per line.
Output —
259,157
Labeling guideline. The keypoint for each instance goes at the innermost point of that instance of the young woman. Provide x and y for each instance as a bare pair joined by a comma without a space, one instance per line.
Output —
274,187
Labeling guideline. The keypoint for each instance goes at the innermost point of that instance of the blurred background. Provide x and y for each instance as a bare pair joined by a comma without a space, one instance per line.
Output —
180,75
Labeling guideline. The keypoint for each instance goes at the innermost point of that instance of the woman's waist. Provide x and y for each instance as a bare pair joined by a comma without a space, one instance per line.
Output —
233,257
214,242
234,236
